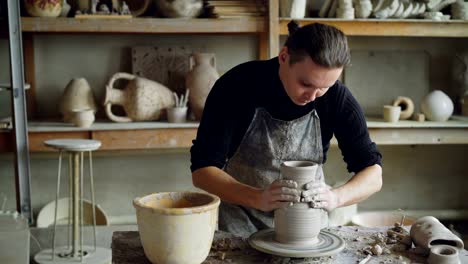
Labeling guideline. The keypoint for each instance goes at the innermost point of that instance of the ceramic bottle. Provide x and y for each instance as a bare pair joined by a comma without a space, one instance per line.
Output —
200,80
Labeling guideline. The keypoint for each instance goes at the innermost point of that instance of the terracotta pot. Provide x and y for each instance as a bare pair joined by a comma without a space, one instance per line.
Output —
43,8
142,99
76,96
177,227
298,224
437,106
427,232
200,80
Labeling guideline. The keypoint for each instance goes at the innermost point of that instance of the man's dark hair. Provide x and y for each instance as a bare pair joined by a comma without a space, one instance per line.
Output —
325,45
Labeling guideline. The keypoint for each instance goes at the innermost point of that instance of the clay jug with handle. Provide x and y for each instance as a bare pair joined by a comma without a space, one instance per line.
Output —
200,80
142,99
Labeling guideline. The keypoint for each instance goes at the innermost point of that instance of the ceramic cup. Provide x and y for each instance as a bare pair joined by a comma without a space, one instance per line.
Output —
82,117
177,114
298,224
391,113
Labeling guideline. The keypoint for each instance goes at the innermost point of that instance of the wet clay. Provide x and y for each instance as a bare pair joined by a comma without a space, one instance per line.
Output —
298,224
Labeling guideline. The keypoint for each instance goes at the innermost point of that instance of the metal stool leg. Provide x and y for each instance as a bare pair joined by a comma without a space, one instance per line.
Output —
81,207
56,203
70,205
91,178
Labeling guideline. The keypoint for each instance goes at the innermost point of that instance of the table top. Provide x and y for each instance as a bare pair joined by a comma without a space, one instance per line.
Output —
75,145
226,248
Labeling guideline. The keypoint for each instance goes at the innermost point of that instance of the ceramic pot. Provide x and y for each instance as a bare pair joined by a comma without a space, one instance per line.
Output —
427,232
177,227
177,114
83,117
437,106
443,254
142,99
391,113
200,79
76,96
43,8
293,8
298,224
179,8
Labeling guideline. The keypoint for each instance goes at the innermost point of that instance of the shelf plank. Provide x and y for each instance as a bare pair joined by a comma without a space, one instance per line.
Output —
143,25
390,27
146,139
163,135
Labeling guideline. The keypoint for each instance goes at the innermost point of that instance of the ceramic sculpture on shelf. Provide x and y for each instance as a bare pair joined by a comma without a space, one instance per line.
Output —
77,96
179,8
142,99
200,80
460,80
43,8
437,106
293,8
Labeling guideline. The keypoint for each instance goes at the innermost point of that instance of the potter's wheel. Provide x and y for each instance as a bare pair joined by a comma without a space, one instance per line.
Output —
328,244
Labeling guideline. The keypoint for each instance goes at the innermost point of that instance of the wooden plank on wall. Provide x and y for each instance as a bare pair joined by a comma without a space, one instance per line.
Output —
145,139
273,27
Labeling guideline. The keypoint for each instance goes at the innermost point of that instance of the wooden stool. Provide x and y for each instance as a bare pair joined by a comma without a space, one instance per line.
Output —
75,251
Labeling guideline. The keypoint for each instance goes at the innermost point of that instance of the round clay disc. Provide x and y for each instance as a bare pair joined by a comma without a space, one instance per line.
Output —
328,244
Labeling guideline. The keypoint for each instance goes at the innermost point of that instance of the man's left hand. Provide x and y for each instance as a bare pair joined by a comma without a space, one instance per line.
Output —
320,195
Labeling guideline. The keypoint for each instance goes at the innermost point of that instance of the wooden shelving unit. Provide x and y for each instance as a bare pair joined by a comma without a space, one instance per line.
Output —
155,135
389,27
143,25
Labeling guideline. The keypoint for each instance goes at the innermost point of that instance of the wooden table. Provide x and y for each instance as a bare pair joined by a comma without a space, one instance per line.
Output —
127,249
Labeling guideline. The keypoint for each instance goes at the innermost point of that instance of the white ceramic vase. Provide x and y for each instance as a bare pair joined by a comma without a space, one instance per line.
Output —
142,99
179,8
200,79
76,96
293,8
298,224
437,106
177,227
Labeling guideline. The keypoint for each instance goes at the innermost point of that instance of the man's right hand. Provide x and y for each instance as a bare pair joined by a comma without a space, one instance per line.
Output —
279,194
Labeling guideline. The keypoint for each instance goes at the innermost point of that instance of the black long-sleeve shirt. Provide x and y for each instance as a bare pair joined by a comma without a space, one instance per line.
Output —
231,104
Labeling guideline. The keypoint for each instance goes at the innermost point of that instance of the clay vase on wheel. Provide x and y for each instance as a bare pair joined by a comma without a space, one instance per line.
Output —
200,80
142,99
298,224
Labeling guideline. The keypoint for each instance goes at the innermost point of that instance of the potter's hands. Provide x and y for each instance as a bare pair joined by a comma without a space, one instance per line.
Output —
279,194
320,195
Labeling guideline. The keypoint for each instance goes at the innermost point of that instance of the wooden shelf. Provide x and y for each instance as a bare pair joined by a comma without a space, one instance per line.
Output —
389,27
163,135
114,136
143,25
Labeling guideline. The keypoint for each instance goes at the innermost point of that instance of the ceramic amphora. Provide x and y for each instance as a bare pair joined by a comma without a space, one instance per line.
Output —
298,224
200,79
177,227
142,99
427,232
43,8
76,96
437,106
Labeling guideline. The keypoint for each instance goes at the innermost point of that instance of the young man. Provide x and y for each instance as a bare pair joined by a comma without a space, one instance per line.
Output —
262,113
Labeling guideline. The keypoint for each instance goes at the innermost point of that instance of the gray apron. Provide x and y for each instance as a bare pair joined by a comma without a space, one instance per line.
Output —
266,144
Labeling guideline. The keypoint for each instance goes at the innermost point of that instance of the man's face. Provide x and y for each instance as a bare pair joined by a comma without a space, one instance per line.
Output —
305,81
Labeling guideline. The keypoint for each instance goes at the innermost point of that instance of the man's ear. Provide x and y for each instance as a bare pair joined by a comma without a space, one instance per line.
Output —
283,55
